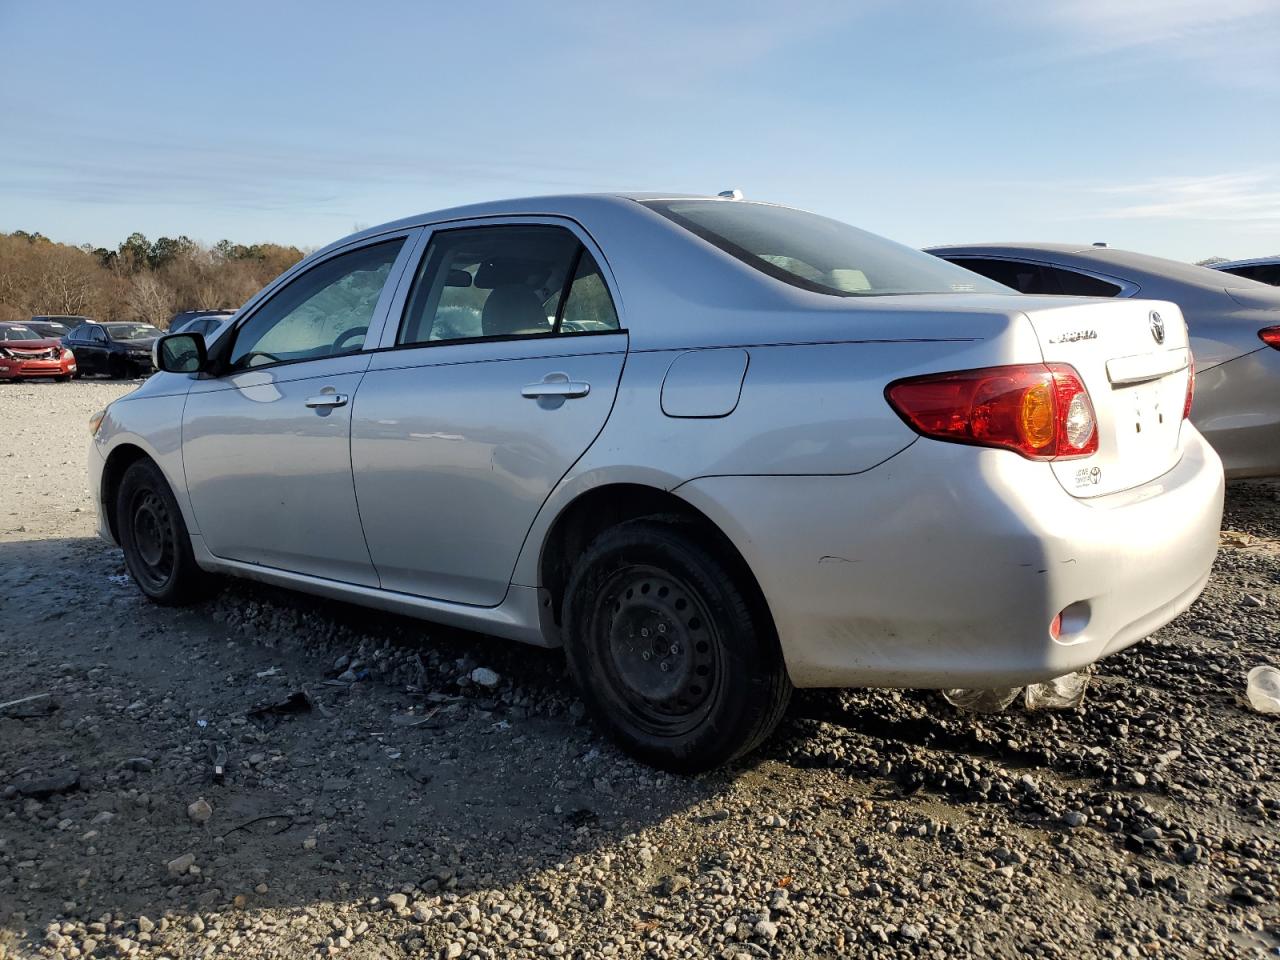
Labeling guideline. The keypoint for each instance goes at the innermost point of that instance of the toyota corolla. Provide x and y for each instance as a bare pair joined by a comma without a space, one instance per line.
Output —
715,449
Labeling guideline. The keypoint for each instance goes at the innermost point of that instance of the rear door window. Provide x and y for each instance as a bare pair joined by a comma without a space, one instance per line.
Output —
504,282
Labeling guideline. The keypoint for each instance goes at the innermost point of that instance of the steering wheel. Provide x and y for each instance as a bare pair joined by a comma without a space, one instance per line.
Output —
348,335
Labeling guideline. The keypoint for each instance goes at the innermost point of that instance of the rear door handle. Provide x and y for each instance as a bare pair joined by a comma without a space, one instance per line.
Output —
556,385
327,400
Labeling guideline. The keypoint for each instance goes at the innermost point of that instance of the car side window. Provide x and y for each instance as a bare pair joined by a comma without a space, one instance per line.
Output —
505,281
1262,272
325,312
98,335
588,308
1023,277
1075,284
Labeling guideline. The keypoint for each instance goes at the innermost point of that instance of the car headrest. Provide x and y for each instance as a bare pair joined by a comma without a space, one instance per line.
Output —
512,309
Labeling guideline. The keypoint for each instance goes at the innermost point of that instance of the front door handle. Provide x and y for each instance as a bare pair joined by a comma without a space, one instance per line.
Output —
556,386
327,400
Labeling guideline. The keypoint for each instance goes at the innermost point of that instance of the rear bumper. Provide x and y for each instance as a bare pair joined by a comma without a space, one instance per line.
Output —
945,565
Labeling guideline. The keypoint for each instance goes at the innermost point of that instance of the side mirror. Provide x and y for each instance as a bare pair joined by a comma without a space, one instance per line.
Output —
180,353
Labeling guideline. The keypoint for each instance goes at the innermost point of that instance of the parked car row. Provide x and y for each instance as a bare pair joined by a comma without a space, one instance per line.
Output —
62,347
714,448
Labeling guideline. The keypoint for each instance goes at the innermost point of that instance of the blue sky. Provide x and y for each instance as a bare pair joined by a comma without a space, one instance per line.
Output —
1150,124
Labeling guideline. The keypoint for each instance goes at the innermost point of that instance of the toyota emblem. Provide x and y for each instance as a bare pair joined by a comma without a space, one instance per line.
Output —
1157,327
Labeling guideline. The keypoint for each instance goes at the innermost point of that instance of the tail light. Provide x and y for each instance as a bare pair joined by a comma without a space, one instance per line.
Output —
1191,385
1039,410
1270,336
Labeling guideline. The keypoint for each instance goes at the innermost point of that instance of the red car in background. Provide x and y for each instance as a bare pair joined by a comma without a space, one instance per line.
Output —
24,353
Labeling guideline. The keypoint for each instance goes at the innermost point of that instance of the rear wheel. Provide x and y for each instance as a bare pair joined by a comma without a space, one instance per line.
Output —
157,547
671,648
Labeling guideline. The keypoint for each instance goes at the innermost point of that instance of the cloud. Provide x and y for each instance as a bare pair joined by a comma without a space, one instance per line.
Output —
1251,197
1228,42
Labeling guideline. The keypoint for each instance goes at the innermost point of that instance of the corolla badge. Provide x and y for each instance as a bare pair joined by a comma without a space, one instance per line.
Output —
1074,336
1157,327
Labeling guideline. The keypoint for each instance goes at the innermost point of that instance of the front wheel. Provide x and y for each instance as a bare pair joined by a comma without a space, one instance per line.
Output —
157,547
117,369
672,648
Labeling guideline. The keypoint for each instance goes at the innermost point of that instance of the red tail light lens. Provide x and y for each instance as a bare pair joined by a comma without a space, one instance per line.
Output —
1270,336
1191,386
1040,410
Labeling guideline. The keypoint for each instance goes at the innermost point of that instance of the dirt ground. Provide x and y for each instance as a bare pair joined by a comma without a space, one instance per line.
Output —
403,809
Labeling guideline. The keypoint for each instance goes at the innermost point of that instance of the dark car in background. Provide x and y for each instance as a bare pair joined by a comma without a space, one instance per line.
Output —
117,350
1262,269
49,328
25,353
204,322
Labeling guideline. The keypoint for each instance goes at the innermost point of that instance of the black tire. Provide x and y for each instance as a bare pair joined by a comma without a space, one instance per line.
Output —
117,369
157,547
671,647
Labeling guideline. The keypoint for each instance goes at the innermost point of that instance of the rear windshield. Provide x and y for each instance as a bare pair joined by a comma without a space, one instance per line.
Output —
818,254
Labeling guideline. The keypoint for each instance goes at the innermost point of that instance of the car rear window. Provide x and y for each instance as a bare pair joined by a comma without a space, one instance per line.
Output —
816,253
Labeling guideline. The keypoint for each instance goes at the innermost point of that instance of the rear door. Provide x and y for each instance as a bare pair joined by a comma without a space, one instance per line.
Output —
500,374
1134,359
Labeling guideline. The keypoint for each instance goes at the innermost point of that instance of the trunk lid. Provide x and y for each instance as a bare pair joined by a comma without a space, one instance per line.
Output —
1134,360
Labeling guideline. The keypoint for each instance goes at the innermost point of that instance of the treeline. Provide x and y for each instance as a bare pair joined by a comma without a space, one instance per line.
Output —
138,280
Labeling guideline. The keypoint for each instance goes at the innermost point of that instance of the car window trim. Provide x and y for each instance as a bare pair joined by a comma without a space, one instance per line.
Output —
226,343
1127,287
391,331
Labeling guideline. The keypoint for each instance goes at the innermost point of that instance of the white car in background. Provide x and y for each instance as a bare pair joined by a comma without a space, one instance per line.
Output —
713,448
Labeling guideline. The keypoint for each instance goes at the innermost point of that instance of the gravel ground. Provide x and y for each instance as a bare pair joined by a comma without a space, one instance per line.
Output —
420,808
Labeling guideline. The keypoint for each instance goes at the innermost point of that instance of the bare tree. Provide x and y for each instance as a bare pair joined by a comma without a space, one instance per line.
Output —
150,299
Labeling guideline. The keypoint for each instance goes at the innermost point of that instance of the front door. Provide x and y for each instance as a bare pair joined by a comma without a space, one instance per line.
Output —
266,446
504,370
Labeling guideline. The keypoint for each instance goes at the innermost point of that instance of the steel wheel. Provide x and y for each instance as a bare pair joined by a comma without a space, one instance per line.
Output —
661,652
154,538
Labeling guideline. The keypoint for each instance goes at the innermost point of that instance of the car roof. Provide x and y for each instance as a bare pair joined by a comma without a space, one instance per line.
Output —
1253,262
569,205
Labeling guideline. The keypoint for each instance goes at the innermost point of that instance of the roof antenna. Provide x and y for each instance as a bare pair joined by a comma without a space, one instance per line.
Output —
734,194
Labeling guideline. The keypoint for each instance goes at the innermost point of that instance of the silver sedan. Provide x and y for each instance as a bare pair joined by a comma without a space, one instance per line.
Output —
715,449
1234,322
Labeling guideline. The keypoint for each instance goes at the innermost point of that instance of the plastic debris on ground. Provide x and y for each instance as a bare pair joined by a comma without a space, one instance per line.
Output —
1060,693
1264,689
982,701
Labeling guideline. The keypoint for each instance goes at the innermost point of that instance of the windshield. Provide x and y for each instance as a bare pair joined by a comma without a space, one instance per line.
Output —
18,333
131,331
816,253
